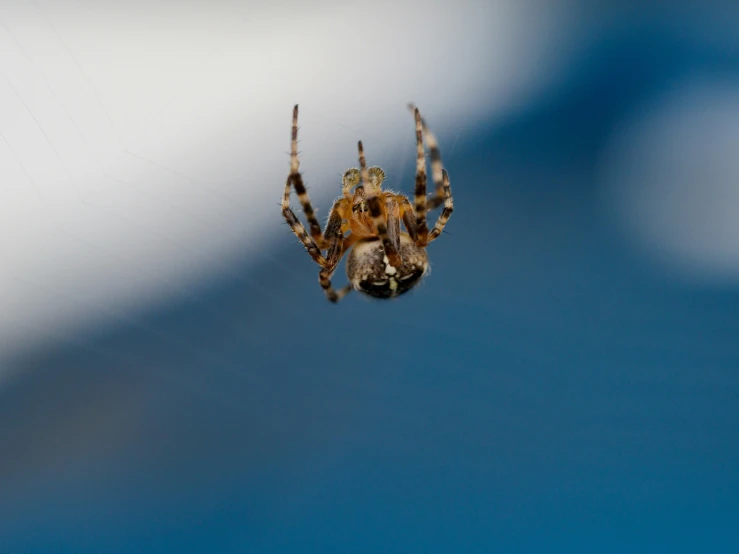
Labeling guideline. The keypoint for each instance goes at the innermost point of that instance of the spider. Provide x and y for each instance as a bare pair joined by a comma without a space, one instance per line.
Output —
383,260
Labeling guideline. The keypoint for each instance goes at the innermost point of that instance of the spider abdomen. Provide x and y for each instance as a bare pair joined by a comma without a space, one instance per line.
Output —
370,272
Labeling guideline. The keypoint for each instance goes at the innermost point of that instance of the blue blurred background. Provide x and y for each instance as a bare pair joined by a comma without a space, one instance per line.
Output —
564,381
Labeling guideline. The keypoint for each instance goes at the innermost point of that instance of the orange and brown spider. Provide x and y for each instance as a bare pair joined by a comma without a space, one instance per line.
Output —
383,261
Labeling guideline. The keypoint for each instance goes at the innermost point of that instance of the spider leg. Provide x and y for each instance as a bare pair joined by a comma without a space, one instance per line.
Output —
336,241
448,208
442,192
392,216
434,202
297,181
420,192
439,196
377,211
300,232
406,210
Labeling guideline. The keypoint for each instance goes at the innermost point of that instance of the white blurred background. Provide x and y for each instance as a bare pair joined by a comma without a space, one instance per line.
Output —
671,177
564,380
143,147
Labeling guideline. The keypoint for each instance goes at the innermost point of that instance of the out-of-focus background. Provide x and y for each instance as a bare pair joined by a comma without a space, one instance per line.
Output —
172,377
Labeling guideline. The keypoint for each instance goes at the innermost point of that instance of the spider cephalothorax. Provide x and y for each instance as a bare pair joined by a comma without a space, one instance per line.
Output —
383,261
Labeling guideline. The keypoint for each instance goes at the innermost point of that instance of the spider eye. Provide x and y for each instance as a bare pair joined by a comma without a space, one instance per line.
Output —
361,207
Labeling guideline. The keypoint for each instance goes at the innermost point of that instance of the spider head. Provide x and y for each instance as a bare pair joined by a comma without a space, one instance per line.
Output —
361,221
